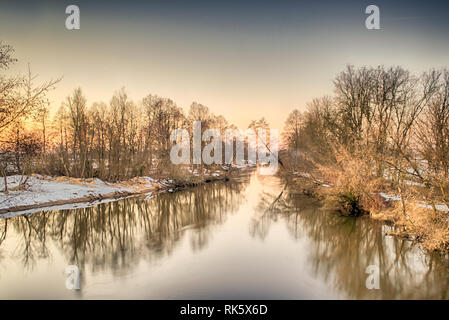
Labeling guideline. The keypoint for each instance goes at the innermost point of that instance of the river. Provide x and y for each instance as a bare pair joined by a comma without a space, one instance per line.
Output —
250,238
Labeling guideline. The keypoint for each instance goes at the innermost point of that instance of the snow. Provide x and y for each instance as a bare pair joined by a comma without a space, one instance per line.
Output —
413,183
53,191
150,181
38,190
389,197
302,174
438,207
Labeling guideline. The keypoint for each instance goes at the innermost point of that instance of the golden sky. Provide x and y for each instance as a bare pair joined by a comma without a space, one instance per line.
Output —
243,61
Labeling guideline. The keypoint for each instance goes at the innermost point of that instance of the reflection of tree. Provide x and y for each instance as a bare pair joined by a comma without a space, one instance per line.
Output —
271,206
33,233
342,248
3,229
119,234
3,232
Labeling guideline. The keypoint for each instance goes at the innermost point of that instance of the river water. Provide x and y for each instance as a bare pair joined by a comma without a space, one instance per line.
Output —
253,238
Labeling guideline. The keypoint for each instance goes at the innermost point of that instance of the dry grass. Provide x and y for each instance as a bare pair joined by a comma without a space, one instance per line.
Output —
353,190
424,225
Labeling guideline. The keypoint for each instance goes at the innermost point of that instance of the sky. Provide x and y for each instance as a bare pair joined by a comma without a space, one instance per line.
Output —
243,60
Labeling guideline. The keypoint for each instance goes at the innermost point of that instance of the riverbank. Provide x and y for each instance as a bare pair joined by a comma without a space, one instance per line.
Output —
29,194
420,220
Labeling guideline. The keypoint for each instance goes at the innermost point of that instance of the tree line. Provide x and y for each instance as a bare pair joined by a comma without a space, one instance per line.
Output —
112,141
384,128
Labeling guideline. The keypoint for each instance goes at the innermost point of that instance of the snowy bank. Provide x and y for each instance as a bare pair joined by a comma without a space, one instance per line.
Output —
438,207
39,191
29,194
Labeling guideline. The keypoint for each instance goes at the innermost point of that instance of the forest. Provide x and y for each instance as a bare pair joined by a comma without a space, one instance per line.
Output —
111,141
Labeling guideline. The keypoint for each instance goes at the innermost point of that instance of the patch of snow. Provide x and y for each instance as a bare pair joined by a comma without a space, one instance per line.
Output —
38,190
389,197
438,207
302,174
413,183
149,181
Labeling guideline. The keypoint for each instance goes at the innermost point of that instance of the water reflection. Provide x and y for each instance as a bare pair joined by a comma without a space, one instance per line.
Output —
256,237
341,249
117,235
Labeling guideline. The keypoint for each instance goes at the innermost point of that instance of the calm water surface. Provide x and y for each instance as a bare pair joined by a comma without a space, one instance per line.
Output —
250,239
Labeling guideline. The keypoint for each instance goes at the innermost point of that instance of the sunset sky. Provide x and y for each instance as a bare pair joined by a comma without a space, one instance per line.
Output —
244,61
